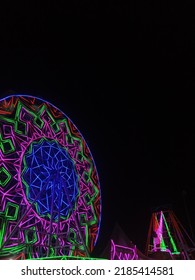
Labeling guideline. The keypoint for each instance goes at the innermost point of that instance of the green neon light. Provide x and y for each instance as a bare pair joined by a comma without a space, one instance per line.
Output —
11,250
84,223
73,241
6,145
67,258
37,120
170,236
19,126
5,177
10,214
2,231
72,236
11,211
31,235
54,125
51,252
90,198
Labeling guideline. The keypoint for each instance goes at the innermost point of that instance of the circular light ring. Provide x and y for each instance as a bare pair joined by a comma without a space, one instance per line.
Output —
50,180
28,127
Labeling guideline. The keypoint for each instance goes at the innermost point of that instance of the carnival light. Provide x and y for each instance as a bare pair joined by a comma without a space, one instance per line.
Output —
50,200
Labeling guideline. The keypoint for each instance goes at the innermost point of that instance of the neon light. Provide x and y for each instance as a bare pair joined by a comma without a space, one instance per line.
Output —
48,167
50,199
158,230
175,250
161,232
119,252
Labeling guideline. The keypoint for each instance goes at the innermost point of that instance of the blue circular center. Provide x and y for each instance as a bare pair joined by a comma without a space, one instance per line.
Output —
50,179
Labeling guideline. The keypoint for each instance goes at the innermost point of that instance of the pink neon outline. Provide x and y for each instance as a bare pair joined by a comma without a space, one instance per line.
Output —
116,252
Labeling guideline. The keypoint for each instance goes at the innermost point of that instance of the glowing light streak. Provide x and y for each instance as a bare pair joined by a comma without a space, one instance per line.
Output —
175,250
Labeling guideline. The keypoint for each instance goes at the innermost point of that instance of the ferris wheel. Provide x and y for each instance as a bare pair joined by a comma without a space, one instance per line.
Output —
50,198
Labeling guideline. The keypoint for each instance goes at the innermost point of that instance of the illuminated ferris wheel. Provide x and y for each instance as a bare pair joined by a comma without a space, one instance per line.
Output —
50,199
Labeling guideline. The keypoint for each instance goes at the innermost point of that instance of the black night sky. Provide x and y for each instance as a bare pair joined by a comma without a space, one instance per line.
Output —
123,72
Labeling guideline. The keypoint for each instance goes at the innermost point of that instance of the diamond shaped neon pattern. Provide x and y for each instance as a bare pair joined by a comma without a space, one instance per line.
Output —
4,177
50,179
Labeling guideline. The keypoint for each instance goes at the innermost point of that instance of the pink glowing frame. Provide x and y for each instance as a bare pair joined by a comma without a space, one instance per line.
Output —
164,236
119,252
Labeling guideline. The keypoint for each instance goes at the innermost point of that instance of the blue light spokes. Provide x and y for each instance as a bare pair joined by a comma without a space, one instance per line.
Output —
50,179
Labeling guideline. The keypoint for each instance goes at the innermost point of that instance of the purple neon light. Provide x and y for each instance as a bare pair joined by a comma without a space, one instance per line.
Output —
119,252
158,230
25,120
